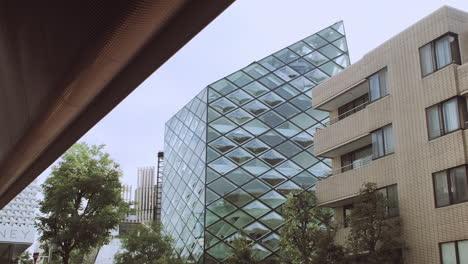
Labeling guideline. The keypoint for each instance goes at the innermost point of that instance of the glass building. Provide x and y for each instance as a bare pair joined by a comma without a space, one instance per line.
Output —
236,150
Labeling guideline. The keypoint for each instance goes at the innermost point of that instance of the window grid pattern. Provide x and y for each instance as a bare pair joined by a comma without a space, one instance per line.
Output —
260,127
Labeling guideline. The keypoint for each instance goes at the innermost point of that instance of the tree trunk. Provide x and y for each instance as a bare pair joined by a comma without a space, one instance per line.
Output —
65,257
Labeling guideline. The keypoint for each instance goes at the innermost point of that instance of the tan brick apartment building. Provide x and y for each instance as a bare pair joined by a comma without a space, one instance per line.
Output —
398,118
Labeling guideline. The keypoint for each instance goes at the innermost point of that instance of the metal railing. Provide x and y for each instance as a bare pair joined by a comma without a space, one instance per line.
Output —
344,115
356,164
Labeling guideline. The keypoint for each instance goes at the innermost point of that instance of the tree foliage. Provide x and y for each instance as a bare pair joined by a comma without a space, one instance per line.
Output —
82,201
147,245
25,258
308,234
374,238
242,251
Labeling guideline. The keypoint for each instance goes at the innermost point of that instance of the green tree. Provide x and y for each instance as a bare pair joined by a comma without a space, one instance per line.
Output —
374,237
308,234
147,245
242,251
82,201
25,258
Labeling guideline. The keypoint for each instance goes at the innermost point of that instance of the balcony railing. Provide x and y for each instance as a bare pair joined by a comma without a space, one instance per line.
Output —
356,164
344,115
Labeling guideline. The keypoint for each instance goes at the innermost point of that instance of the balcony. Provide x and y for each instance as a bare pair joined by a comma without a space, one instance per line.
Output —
344,135
355,165
344,115
340,187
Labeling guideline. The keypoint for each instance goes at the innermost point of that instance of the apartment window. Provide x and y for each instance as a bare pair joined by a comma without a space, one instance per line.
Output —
347,214
446,117
382,142
356,159
439,53
378,85
352,107
390,193
454,252
451,186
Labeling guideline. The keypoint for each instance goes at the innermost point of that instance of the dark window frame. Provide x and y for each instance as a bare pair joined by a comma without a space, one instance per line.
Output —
449,186
383,142
346,219
457,252
462,113
454,53
380,86
386,198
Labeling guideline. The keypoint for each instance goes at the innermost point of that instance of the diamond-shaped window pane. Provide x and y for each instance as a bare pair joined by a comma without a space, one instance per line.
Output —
256,167
213,95
221,186
287,91
272,119
212,134
260,252
239,176
286,73
288,187
301,48
256,188
288,168
287,110
211,155
272,242
317,76
272,220
239,97
286,55
272,99
239,156
315,41
339,27
223,125
240,78
256,230
239,116
331,68
302,101
212,114
239,136
273,178
343,61
288,149
273,199
288,129
272,138
273,157
256,108
223,105
330,34
301,66
220,251
302,84
271,81
304,121
222,165
256,146
255,127
211,217
271,63
211,196
320,170
256,209
305,180
341,44
255,70
239,219
222,144
221,207
330,51
255,89
316,58
304,140
238,197
223,86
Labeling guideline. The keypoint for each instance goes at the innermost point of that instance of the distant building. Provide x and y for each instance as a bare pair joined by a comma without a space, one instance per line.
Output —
145,195
158,187
17,224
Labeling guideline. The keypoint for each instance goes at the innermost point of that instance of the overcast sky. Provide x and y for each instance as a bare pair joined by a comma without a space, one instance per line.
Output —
247,31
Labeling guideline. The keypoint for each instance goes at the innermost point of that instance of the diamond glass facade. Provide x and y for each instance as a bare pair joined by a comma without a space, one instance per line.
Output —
242,145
